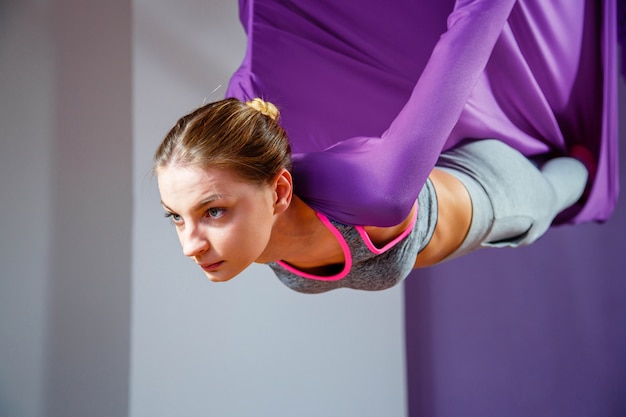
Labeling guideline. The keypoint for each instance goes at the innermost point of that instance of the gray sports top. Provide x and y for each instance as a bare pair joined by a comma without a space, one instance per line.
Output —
367,267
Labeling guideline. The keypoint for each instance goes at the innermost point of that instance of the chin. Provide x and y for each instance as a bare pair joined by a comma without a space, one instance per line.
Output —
214,278
219,276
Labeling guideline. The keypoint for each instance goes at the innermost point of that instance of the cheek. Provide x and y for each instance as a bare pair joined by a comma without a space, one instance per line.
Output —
258,229
261,214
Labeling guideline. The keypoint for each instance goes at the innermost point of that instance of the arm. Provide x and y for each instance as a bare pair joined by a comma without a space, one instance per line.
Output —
375,181
454,216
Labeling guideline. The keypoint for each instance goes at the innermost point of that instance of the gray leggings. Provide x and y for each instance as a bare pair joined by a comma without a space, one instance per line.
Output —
514,200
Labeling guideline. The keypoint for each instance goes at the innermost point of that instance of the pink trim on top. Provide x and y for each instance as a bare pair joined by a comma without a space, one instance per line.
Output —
378,251
346,254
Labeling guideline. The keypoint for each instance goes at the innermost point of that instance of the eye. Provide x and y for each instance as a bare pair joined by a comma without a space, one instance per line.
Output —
174,218
215,213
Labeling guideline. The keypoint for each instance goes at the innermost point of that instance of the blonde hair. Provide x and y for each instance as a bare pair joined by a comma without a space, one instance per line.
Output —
243,137
265,107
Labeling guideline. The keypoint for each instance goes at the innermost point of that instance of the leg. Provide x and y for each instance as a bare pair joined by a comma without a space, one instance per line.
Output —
514,202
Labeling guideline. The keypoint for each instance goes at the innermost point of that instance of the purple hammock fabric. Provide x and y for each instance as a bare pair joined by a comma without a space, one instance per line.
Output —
372,92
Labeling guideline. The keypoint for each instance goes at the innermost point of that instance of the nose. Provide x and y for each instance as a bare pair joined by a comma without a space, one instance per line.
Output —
194,242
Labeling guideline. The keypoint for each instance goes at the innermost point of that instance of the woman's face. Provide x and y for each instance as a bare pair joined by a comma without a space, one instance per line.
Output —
223,223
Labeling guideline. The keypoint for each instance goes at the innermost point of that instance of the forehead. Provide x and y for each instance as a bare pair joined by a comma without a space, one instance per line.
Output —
191,173
189,183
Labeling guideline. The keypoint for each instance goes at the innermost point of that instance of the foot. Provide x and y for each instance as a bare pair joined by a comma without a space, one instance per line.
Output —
587,158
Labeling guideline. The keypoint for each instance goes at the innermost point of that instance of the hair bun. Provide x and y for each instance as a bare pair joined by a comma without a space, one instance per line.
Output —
265,107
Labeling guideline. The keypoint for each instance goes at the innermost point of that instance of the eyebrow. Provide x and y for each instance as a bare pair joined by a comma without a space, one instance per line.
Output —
204,202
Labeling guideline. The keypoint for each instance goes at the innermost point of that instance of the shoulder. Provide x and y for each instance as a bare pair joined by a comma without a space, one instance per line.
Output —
381,236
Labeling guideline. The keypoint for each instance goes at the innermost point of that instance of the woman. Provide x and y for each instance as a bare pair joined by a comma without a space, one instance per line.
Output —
357,213
224,176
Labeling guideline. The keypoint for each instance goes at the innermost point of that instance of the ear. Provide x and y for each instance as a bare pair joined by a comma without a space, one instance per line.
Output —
283,191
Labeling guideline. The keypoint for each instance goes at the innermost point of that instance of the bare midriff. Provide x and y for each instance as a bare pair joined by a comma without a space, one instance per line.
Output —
454,218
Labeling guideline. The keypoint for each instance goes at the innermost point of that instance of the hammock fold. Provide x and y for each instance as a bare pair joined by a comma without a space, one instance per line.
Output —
370,93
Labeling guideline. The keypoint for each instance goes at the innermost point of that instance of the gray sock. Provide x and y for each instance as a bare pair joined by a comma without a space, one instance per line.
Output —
568,177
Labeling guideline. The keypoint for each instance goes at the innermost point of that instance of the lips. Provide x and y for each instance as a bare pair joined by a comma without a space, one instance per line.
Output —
210,267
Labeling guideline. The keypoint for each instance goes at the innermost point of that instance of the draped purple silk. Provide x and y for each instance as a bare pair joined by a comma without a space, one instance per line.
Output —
371,93
534,331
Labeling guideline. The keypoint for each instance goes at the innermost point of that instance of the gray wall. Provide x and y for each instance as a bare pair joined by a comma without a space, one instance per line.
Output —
87,90
66,207
249,347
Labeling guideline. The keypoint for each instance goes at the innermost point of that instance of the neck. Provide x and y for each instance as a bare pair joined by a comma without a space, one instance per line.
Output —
299,237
